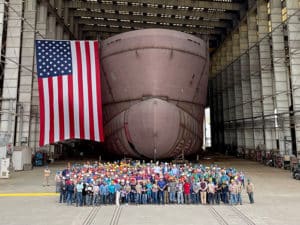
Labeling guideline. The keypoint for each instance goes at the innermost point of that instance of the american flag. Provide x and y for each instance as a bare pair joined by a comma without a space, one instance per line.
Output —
69,90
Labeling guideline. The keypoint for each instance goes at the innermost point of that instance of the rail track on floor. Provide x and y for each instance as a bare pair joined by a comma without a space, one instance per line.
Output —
230,215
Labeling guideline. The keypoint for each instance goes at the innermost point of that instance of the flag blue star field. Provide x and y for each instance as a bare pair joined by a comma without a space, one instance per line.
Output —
69,90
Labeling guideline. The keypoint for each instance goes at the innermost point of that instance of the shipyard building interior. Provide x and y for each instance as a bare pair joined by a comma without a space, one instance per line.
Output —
253,79
253,93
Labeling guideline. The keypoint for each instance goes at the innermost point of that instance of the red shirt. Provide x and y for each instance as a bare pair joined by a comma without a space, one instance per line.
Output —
187,188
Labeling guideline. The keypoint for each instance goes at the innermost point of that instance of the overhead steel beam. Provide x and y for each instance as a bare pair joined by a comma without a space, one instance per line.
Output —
116,29
59,19
107,32
189,3
89,23
131,8
151,19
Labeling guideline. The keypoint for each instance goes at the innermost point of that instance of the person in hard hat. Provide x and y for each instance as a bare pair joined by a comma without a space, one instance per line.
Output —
96,195
211,192
149,191
172,188
224,192
233,192
187,192
203,191
179,188
250,190
138,195
162,185
239,192
155,193
79,198
127,191
58,181
47,173
112,192
118,192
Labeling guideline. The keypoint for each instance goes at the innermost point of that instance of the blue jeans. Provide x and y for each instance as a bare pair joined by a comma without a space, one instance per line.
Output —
132,196
96,199
224,197
84,199
144,198
161,197
103,199
138,198
217,197
239,199
62,197
179,197
69,197
149,196
187,198
127,198
112,197
172,197
210,198
195,198
89,199
79,200
154,197
250,195
233,199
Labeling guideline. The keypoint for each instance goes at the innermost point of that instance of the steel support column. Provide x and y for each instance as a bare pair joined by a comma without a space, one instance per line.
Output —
224,88
12,69
238,89
281,85
2,12
26,75
255,80
293,30
265,58
230,93
41,27
220,118
246,86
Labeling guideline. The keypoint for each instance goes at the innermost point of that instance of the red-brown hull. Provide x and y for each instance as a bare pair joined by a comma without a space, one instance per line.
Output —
154,92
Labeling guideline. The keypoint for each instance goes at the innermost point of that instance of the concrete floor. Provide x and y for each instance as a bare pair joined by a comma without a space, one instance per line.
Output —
277,201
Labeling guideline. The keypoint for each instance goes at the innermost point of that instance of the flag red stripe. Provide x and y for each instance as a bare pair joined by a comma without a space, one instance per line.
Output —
51,110
58,120
42,111
98,86
90,94
71,106
80,90
61,108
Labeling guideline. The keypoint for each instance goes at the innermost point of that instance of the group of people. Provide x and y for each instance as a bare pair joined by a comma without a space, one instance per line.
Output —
136,182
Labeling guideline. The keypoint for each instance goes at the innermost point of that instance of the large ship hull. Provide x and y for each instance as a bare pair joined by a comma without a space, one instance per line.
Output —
154,92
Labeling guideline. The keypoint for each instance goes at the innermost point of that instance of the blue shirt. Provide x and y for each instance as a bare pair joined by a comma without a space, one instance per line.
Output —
79,187
117,187
174,171
103,189
161,183
224,178
149,187
111,189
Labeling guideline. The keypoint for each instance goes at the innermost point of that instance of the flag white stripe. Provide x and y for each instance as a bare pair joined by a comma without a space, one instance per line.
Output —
66,107
75,90
47,111
94,91
85,91
55,109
